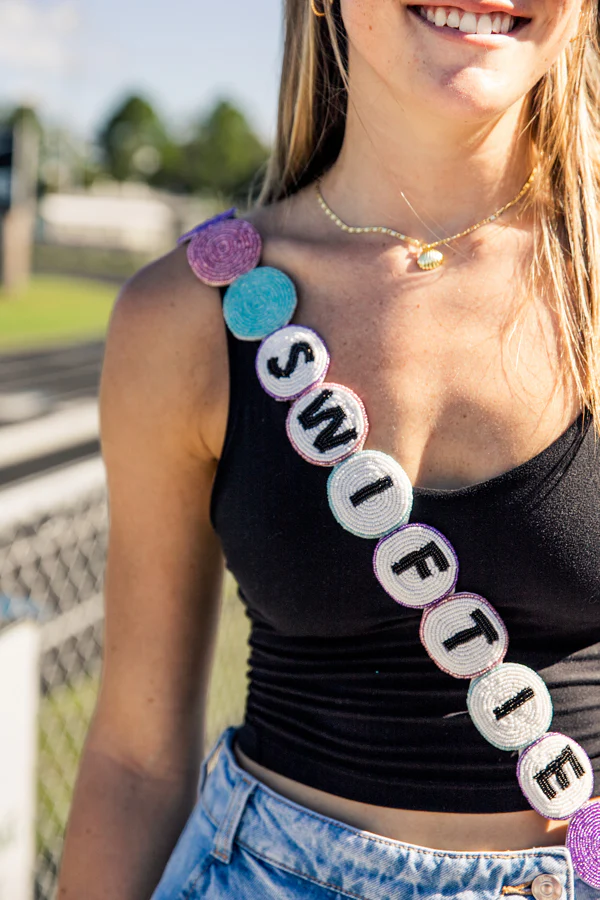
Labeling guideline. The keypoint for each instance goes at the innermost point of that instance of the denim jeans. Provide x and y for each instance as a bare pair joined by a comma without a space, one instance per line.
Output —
246,842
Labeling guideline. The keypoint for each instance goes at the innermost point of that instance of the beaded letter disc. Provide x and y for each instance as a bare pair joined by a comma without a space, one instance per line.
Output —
370,494
258,303
416,565
556,776
583,840
464,635
327,424
290,361
511,706
225,250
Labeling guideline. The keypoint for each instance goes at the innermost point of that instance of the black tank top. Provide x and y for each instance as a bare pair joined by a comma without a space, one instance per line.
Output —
342,695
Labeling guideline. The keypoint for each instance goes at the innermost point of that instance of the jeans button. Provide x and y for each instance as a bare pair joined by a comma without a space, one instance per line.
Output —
546,887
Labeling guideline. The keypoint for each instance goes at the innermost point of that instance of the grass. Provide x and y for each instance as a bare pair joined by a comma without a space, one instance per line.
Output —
65,714
53,310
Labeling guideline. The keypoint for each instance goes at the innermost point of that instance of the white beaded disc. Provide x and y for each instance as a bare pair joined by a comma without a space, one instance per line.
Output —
370,494
416,565
556,776
510,705
464,635
290,361
327,424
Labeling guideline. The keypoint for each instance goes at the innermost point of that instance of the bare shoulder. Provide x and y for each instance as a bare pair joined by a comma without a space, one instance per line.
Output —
289,219
167,350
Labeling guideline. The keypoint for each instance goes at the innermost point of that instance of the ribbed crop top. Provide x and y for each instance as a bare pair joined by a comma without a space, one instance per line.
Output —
342,694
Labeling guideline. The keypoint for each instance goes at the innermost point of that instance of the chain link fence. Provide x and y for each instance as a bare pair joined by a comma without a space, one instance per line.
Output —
53,539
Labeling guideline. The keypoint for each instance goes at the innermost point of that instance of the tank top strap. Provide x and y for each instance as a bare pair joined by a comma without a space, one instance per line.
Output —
220,217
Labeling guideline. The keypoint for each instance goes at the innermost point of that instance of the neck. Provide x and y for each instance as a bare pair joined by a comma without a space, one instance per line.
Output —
426,177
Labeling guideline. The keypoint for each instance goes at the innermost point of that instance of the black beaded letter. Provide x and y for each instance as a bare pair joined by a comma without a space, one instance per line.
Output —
501,712
371,490
313,415
301,348
418,558
482,628
557,768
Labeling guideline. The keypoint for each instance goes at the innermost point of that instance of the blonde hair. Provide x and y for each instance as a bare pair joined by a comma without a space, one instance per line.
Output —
564,126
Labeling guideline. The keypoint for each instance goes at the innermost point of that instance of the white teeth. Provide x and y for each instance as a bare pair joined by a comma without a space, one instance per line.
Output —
468,23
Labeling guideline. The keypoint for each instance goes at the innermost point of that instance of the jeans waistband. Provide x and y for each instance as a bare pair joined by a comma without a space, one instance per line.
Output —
357,863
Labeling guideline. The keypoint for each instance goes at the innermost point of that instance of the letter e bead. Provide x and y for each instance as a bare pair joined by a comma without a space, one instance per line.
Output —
556,776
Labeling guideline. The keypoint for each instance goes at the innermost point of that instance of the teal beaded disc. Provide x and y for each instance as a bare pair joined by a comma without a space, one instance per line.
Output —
258,303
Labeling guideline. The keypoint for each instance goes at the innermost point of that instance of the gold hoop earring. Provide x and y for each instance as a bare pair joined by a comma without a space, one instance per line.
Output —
317,12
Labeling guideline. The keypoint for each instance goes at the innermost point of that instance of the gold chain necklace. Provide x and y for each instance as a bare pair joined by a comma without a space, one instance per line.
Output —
429,256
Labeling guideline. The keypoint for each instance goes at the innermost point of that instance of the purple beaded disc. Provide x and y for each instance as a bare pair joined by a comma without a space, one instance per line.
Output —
225,250
583,841
228,214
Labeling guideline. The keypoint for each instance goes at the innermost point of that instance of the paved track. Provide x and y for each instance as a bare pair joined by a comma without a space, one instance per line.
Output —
38,384
60,374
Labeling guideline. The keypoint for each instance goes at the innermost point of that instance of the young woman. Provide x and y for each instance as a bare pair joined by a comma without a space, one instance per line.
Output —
362,769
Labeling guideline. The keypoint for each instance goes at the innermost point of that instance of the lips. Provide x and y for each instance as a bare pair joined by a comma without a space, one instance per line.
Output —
469,22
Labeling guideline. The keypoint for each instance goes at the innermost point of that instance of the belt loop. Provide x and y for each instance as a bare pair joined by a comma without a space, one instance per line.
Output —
208,760
225,836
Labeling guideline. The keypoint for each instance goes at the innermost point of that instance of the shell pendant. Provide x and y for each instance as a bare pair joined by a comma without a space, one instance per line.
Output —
430,259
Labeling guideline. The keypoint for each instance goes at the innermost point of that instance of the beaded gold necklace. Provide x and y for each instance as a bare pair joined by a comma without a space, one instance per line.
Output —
429,256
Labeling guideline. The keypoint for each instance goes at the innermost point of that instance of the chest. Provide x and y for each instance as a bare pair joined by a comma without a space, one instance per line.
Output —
458,369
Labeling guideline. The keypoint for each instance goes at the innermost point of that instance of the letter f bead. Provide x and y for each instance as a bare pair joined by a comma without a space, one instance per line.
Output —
416,565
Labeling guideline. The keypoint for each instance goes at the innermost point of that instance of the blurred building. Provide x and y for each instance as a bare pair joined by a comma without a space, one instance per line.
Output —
129,217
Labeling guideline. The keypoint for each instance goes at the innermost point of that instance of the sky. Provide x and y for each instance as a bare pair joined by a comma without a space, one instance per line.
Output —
74,59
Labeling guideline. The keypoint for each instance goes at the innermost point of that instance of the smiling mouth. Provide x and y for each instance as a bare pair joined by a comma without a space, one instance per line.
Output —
469,23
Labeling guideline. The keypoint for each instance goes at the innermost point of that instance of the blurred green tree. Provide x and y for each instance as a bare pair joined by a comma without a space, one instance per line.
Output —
135,143
224,155
24,114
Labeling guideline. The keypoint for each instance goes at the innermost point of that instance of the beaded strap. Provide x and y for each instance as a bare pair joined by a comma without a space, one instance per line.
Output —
370,495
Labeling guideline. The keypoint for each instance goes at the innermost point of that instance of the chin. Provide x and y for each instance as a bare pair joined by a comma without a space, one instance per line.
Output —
467,95
430,69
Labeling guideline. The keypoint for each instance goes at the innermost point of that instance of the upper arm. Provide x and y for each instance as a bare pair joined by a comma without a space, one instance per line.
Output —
163,407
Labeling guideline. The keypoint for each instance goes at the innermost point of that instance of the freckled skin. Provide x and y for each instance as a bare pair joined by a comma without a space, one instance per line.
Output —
389,44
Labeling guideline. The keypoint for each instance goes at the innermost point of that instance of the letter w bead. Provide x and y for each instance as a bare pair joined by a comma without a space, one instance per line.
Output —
418,559
327,423
301,348
330,436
